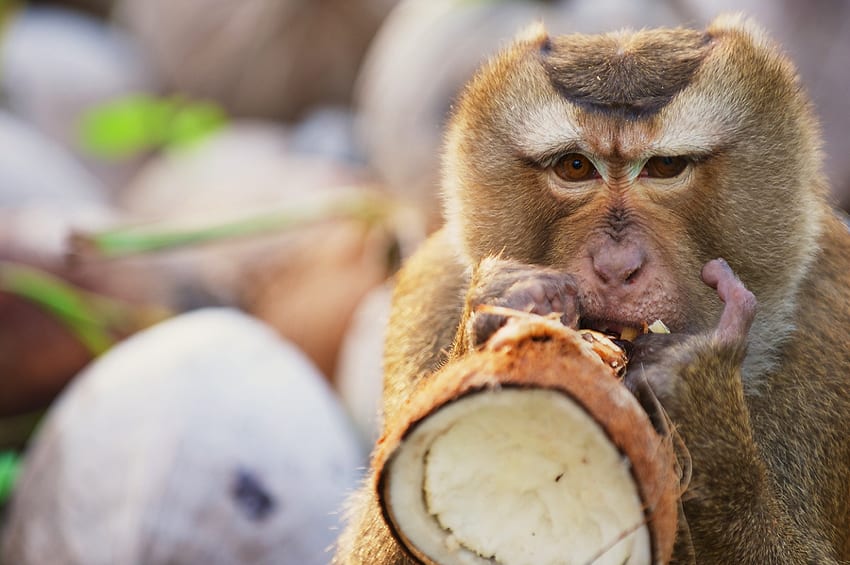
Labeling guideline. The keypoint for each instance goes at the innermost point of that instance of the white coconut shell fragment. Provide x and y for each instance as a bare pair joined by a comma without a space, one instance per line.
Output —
205,439
528,452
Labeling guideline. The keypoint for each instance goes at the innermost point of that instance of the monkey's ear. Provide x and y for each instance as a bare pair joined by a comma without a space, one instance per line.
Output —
534,34
738,22
747,34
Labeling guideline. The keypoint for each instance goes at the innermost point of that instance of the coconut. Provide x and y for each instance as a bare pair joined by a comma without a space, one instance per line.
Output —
204,439
258,59
359,374
528,451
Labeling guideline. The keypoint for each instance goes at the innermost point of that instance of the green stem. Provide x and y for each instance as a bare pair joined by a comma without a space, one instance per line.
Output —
94,319
67,303
10,467
16,430
129,241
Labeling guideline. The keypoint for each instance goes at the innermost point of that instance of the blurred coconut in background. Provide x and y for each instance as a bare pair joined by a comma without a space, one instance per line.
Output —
57,64
205,439
36,172
100,8
263,58
359,371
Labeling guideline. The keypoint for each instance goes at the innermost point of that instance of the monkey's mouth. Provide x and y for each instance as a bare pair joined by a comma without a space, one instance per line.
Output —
620,330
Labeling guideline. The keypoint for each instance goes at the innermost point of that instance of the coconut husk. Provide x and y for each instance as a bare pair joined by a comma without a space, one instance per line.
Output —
531,355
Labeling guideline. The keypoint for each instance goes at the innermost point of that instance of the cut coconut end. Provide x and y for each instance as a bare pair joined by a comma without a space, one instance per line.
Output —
529,450
486,481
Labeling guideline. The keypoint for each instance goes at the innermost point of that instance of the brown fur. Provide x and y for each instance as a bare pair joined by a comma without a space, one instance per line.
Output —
765,419
605,74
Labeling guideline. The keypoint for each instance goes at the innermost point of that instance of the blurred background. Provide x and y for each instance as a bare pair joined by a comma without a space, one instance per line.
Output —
202,204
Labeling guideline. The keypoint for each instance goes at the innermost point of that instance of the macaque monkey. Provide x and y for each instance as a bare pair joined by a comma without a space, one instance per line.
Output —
665,174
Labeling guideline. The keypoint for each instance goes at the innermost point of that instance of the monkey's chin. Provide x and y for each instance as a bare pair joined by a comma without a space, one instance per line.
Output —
486,481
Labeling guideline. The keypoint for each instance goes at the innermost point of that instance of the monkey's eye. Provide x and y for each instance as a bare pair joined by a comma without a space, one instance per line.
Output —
665,167
575,167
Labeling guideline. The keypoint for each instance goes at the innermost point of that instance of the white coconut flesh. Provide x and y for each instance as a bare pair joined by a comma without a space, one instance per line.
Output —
515,477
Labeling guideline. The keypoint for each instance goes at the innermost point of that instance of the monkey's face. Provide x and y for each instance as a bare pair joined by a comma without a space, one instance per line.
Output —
632,159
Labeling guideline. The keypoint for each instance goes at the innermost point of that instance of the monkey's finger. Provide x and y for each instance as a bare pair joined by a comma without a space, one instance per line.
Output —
739,303
482,325
545,295
716,272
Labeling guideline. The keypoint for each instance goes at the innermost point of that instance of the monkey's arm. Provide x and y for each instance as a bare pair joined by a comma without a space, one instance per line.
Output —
734,511
427,307
433,317
735,508
428,303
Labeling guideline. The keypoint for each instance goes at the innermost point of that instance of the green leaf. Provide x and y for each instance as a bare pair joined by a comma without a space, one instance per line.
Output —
124,127
192,123
64,301
127,126
10,467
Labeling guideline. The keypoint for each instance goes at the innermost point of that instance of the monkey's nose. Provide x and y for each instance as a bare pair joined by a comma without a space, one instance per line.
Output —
618,265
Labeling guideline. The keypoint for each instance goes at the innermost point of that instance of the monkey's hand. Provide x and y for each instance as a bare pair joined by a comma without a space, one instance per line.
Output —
734,510
671,364
529,288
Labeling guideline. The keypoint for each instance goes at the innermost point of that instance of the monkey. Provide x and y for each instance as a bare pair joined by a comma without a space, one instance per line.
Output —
671,174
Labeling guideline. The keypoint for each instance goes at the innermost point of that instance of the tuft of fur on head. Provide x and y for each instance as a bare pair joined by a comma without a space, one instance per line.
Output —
533,33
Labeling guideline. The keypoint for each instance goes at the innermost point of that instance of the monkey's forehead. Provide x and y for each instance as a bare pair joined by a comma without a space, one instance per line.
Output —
628,75
632,94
